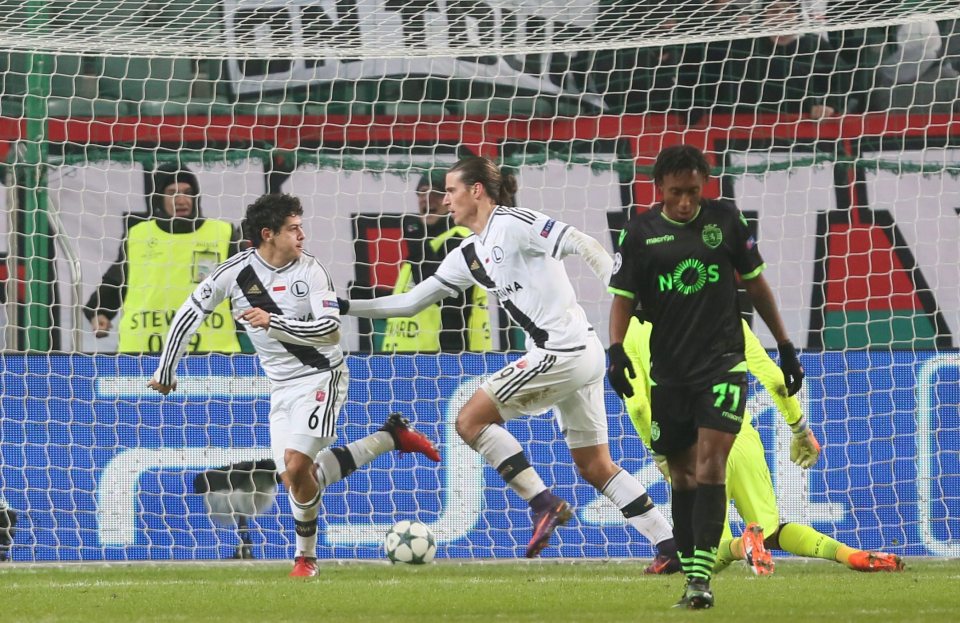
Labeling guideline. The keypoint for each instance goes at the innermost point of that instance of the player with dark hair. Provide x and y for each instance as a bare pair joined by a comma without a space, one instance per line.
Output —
515,254
286,299
681,261
748,478
455,324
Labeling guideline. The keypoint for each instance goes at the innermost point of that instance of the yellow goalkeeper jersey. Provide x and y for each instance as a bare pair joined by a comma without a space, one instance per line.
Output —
637,346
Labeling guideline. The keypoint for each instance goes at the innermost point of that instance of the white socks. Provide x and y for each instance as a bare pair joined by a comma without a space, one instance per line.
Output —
638,509
504,453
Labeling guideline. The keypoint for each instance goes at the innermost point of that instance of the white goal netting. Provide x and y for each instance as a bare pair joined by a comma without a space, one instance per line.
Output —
831,123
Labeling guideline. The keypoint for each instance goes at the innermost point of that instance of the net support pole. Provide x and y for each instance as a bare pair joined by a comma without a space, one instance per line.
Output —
36,320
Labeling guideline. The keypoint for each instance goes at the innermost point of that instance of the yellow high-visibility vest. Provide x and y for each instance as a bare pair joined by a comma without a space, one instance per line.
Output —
163,269
421,332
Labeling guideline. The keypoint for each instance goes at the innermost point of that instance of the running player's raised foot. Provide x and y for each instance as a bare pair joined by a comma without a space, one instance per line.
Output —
407,439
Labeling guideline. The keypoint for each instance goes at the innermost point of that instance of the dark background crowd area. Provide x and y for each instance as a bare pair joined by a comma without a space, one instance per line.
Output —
911,67
908,68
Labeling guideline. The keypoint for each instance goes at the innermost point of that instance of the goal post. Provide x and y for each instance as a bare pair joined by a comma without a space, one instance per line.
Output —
348,104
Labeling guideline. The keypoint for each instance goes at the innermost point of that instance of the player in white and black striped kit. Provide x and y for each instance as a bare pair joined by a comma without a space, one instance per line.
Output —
515,254
288,303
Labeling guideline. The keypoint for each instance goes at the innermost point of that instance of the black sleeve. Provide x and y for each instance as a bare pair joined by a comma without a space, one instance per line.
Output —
108,298
746,255
622,280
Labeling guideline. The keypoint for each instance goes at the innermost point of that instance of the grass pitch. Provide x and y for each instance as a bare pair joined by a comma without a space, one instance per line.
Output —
586,592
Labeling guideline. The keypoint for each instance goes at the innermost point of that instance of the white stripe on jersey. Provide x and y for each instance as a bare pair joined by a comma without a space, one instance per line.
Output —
517,258
304,315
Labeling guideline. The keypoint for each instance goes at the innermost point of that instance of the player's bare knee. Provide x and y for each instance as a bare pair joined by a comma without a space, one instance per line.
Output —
472,420
597,474
299,469
711,470
594,464
468,428
683,473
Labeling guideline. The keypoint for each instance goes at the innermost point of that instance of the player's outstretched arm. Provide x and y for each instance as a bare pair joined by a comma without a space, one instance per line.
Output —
804,447
409,303
636,345
575,242
184,324
204,299
770,376
762,297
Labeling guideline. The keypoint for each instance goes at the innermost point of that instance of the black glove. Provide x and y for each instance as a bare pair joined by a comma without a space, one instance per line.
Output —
344,305
792,370
617,371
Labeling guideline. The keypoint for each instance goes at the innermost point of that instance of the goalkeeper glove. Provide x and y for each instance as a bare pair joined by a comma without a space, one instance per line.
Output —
792,370
617,371
804,448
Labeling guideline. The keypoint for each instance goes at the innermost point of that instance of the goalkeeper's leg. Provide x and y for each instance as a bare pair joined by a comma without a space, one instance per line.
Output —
750,486
805,541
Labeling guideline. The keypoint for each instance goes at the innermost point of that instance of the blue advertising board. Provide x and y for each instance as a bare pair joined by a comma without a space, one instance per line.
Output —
99,468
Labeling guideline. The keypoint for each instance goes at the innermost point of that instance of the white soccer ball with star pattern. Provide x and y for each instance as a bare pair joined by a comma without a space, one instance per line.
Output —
410,542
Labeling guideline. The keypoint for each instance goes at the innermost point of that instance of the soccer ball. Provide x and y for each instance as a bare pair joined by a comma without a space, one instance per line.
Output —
411,542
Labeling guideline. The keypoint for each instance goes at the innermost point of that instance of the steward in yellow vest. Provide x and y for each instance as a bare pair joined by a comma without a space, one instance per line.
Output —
161,262
455,324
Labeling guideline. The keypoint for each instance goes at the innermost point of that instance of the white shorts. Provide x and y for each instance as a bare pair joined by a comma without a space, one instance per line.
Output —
571,383
304,412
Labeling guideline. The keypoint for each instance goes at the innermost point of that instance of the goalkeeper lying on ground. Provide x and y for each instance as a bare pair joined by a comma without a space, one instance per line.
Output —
748,478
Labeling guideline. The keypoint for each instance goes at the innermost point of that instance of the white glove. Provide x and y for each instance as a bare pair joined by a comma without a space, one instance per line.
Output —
804,448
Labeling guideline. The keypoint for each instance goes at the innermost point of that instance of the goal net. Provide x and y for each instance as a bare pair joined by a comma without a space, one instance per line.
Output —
832,124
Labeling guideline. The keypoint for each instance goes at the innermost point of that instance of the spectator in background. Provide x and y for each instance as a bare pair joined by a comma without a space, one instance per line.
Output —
787,73
950,30
161,261
916,73
859,51
634,80
641,80
455,324
679,78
